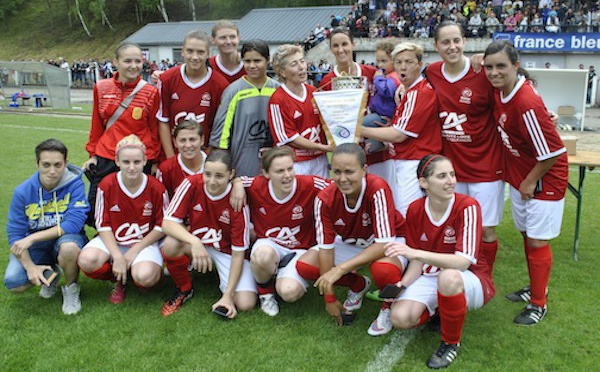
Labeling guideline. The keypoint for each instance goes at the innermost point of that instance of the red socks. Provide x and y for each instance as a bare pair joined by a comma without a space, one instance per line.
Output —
424,318
488,254
178,268
453,310
539,263
353,281
385,273
307,271
103,273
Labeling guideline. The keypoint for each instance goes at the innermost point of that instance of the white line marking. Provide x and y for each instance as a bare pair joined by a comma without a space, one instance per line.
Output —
44,128
385,360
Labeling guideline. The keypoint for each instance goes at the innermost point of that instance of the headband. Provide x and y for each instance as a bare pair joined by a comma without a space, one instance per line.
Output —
432,158
132,146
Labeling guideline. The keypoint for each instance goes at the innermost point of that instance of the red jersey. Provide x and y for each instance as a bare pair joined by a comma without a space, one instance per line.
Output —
179,97
459,231
172,172
374,219
417,117
530,136
130,217
291,116
469,135
139,118
288,222
219,69
211,218
369,72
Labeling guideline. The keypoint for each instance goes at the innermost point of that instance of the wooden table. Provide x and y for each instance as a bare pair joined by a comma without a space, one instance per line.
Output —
584,160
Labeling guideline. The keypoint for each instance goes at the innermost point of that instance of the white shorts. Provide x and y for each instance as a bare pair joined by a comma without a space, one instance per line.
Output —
539,219
489,195
425,288
407,188
150,253
223,263
289,271
387,171
313,167
346,251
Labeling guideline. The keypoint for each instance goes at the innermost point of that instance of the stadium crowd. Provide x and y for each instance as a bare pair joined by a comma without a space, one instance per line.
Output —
249,184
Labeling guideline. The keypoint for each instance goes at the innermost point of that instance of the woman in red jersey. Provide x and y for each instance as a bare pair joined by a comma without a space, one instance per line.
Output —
443,236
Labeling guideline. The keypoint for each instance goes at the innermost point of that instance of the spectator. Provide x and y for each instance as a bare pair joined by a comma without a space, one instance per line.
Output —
335,21
475,23
591,78
320,33
536,23
492,24
553,24
510,23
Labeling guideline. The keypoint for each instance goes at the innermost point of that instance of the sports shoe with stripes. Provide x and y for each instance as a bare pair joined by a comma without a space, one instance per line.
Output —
443,356
531,315
268,304
354,299
382,324
522,295
176,301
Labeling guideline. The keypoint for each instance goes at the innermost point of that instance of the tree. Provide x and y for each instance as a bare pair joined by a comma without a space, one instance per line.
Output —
8,7
97,7
81,20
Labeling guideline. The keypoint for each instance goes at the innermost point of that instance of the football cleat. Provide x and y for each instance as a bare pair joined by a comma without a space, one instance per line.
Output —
354,299
268,304
176,301
531,315
382,324
443,356
522,295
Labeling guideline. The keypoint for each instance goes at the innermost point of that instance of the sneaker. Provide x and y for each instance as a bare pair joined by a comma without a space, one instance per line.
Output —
522,295
268,304
382,324
48,291
354,299
117,295
176,301
71,303
531,315
443,356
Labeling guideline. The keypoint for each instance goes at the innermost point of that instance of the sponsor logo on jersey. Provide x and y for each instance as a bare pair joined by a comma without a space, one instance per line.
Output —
131,231
225,217
109,96
284,236
453,123
174,96
137,112
297,212
147,209
366,219
312,134
465,96
424,238
115,208
297,114
183,115
449,235
360,242
197,207
339,222
209,236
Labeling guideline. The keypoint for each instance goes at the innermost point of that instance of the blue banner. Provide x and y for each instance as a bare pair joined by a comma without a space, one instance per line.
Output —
550,42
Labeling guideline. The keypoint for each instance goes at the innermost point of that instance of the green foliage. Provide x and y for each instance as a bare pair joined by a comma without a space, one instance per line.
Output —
135,337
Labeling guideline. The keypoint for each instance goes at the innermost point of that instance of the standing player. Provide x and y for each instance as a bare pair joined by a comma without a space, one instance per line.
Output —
191,89
281,207
536,168
113,118
129,212
293,118
415,131
443,235
469,135
216,233
355,218
228,64
241,125
188,138
45,226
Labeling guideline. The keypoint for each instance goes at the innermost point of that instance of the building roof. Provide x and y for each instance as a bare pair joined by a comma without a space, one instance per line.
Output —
287,25
273,25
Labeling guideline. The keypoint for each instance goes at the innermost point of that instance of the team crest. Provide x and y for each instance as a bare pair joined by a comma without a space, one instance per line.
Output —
449,235
465,96
297,212
137,113
225,217
205,99
366,219
147,209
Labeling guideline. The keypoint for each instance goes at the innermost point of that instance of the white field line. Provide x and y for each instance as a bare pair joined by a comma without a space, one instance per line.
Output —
44,128
385,360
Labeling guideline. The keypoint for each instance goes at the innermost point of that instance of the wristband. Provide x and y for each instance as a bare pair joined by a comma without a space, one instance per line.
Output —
329,298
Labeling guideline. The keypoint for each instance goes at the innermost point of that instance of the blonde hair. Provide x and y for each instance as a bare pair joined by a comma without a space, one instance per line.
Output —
131,141
280,58
385,46
224,23
411,47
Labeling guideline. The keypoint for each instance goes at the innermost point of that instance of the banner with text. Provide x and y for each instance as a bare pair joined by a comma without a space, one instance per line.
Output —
550,42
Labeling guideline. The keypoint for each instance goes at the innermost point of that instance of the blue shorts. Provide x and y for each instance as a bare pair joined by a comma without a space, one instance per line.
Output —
41,253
